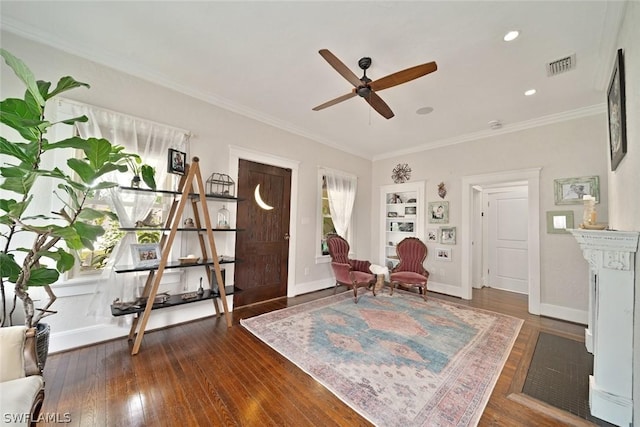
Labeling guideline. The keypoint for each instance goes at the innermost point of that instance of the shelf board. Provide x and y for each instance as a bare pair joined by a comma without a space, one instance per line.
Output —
172,301
179,193
170,265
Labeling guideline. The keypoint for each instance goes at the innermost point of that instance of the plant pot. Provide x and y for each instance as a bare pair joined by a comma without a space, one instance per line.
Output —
43,330
135,182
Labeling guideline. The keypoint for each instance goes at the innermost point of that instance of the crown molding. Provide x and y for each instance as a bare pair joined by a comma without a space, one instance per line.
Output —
515,127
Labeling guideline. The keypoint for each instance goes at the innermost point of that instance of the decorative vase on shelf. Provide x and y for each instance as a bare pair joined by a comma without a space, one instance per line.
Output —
135,181
223,218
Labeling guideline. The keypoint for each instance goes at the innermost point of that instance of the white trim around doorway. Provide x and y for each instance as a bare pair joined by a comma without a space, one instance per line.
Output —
235,154
470,185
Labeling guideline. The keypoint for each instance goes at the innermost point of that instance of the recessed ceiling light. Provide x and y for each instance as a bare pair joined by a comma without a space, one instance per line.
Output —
424,110
530,92
511,35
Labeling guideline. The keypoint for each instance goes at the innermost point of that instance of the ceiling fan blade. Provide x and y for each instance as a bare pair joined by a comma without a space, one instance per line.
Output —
340,67
335,101
379,105
403,76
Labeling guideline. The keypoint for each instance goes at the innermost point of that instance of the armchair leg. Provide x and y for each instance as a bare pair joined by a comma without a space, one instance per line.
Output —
355,294
392,285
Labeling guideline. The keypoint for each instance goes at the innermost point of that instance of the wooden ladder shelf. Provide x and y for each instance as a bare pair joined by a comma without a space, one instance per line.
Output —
186,188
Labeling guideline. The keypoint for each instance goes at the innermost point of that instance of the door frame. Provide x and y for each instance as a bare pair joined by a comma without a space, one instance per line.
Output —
471,187
235,154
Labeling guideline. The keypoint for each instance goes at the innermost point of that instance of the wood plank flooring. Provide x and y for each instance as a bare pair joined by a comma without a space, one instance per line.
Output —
202,373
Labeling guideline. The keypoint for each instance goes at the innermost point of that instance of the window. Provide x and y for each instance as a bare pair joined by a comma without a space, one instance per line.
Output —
344,187
325,215
152,142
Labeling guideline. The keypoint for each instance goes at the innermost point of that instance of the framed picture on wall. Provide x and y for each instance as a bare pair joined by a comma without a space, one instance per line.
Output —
438,212
432,235
176,161
558,222
570,191
617,114
443,254
448,235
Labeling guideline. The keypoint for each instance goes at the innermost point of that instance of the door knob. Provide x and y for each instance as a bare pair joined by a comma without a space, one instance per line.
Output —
286,236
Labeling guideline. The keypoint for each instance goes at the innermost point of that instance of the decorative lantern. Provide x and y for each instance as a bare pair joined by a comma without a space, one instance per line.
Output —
220,184
223,218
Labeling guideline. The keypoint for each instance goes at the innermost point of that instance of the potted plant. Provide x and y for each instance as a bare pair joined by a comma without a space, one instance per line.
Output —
54,237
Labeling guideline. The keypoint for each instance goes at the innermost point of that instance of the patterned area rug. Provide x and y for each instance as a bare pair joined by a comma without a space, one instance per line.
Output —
396,360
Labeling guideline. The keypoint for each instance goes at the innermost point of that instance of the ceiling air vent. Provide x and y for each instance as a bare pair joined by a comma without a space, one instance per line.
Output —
561,65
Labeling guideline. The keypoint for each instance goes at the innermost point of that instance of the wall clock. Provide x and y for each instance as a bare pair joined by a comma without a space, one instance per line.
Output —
401,173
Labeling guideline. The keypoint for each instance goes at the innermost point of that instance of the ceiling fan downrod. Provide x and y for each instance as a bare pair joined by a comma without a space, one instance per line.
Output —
364,90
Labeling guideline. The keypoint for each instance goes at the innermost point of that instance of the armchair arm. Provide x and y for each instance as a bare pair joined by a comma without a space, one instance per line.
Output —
360,265
341,271
12,352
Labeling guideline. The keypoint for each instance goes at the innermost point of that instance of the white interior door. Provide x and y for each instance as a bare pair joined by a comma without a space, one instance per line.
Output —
508,241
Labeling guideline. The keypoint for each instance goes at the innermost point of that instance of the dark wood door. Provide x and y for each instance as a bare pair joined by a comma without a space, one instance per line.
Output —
263,245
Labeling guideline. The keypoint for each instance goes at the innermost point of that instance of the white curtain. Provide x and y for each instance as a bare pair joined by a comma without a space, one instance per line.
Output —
341,191
151,141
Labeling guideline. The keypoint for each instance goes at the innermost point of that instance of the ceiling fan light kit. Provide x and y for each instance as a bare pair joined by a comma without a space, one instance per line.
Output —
367,88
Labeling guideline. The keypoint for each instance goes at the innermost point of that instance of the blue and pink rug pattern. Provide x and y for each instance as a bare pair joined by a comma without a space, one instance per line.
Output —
397,360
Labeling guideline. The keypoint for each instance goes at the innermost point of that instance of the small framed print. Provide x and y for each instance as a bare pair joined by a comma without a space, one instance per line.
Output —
432,235
443,254
448,235
410,210
558,222
438,212
176,161
145,255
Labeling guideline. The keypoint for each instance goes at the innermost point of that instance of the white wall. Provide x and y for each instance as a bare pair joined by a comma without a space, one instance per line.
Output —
214,130
566,149
624,199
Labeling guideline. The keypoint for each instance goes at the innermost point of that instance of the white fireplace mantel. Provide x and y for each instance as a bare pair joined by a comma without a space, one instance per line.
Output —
609,335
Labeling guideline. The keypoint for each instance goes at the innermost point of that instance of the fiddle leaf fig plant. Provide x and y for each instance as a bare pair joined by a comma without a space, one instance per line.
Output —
53,236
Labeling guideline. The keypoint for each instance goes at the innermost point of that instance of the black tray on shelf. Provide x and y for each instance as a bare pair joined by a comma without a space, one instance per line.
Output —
172,300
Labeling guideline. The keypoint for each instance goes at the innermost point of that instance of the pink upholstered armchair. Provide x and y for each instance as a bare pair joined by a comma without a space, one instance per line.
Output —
410,272
349,272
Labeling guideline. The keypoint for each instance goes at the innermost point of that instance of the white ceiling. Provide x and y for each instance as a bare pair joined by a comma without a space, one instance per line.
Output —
261,59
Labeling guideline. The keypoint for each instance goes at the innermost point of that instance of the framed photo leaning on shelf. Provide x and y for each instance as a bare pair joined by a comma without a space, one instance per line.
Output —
146,255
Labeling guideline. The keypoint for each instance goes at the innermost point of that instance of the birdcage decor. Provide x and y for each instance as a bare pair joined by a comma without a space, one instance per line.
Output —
220,184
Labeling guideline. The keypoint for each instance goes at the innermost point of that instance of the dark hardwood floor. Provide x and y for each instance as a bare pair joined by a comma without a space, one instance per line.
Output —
202,373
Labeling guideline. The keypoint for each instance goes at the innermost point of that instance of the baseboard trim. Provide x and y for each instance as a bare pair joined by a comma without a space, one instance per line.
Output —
564,313
119,327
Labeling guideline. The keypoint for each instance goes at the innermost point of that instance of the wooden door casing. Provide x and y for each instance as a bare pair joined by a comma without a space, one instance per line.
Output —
263,245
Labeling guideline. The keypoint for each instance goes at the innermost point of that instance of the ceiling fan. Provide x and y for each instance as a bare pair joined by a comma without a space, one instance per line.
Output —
367,88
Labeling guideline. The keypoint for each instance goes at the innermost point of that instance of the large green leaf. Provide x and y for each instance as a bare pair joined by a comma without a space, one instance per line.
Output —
42,276
69,235
84,170
15,150
89,214
24,73
79,119
16,114
64,84
97,151
20,185
9,268
64,260
88,233
148,176
73,142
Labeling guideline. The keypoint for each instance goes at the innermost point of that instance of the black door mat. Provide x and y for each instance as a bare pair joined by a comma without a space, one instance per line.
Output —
559,375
